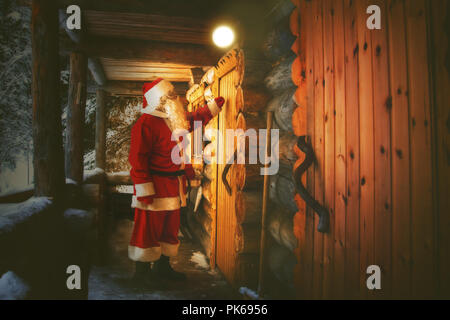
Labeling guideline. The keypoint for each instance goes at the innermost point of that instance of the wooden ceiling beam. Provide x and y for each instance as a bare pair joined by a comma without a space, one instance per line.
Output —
147,27
190,55
145,77
95,67
133,88
181,8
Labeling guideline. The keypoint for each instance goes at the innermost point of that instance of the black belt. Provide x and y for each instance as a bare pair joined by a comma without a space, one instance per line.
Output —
168,173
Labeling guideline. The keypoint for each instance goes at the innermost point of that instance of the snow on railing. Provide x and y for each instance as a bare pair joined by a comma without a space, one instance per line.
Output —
15,191
17,195
91,174
13,214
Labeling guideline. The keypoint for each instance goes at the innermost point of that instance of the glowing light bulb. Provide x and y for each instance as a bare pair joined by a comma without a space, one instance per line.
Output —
223,36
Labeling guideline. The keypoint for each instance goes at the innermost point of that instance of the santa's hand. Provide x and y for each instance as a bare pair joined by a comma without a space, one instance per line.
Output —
219,101
146,200
190,173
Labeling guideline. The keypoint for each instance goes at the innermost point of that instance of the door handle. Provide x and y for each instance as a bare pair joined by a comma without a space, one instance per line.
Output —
225,172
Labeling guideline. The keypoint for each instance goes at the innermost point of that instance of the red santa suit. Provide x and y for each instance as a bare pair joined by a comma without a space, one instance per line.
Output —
159,183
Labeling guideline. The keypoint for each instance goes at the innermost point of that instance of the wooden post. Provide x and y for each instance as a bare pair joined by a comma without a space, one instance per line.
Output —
262,254
47,131
100,162
75,117
100,130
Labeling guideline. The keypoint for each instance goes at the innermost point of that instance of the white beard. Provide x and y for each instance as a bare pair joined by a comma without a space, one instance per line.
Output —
176,114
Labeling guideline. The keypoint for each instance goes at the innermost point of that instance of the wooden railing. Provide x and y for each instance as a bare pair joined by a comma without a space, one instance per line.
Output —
16,197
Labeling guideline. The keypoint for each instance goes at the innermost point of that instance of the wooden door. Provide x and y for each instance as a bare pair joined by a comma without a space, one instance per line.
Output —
233,241
226,217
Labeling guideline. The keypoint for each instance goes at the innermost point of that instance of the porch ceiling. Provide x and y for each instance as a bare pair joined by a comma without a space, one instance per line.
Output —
138,70
145,27
141,40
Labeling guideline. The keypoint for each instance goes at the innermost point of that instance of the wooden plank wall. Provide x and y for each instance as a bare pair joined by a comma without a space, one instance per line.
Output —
375,104
439,29
226,256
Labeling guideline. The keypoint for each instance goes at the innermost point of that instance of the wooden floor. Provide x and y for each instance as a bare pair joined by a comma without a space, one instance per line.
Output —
113,281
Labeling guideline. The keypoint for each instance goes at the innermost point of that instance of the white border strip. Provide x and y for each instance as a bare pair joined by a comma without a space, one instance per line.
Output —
214,108
145,189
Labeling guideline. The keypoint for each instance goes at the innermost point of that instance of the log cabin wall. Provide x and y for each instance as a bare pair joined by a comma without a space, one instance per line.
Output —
201,223
375,103
228,223
281,241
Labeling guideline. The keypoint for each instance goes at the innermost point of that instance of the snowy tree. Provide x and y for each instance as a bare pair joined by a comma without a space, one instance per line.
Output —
15,91
16,139
122,114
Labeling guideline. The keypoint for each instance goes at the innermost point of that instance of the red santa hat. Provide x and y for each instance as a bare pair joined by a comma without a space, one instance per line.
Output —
154,91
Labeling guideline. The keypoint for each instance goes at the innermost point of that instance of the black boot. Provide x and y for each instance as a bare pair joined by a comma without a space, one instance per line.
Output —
146,277
164,269
142,272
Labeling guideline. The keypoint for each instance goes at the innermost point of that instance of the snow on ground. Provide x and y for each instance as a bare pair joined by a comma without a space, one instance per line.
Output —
12,214
249,293
200,260
114,282
12,287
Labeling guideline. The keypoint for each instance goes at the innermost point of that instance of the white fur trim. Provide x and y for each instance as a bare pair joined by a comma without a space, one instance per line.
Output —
158,204
154,95
214,108
208,77
208,94
145,189
168,249
144,254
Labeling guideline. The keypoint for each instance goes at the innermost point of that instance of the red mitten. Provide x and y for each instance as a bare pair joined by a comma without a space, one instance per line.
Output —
146,200
219,101
190,173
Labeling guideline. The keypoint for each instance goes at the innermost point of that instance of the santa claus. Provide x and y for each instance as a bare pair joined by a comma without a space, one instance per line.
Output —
160,185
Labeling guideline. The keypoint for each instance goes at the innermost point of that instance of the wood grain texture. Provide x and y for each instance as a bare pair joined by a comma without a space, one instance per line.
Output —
401,211
48,154
74,163
340,154
389,145
190,55
352,194
366,127
382,100
329,144
440,48
147,27
319,191
307,251
100,130
420,136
